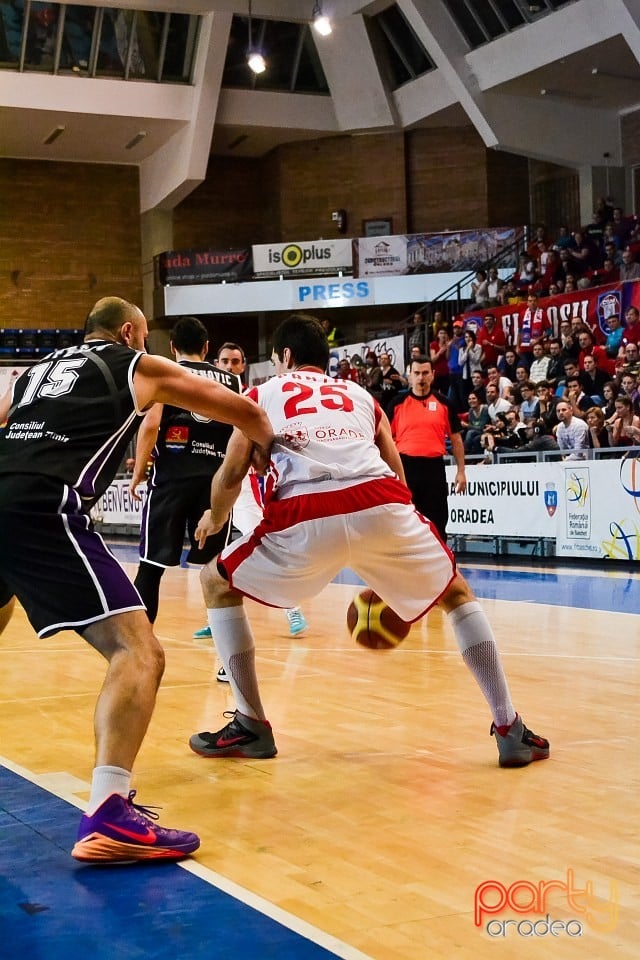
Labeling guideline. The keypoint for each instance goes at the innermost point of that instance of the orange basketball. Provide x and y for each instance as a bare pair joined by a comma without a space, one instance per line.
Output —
373,624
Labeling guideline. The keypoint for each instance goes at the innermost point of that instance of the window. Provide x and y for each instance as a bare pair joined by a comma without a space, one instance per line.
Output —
397,46
483,20
60,38
293,64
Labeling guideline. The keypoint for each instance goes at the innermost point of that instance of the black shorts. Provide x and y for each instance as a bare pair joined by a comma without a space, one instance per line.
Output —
52,559
169,510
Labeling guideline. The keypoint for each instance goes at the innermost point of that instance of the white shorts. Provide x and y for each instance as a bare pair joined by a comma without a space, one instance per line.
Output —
392,547
247,511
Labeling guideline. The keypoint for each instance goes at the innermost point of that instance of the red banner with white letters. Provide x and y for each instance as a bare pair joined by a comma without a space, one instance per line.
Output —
593,306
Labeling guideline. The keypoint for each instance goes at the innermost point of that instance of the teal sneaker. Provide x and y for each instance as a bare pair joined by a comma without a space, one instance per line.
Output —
203,634
297,622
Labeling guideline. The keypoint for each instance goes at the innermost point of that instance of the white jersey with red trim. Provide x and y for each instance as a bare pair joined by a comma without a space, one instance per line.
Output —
325,433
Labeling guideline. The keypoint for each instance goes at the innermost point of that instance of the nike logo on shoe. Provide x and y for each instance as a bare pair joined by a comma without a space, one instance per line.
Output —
149,836
221,742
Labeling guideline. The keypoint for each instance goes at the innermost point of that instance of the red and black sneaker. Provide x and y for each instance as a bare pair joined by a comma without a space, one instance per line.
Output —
519,746
242,737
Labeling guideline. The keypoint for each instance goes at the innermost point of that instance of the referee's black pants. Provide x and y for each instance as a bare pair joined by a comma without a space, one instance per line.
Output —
427,480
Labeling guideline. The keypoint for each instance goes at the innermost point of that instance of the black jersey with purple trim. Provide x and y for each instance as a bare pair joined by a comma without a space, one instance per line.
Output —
188,444
72,416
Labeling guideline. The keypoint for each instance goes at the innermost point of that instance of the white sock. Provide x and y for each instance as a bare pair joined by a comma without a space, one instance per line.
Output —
479,651
236,648
104,782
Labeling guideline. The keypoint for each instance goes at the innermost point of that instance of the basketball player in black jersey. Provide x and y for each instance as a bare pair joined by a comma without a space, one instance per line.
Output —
186,450
69,419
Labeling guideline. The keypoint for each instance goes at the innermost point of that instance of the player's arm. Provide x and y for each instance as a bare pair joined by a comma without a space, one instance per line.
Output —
388,450
457,449
225,486
157,380
147,436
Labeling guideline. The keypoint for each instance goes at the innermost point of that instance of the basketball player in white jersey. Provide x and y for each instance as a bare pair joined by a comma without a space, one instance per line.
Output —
334,498
247,510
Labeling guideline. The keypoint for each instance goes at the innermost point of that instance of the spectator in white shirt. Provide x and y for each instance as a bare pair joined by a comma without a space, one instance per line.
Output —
572,433
495,404
539,364
500,383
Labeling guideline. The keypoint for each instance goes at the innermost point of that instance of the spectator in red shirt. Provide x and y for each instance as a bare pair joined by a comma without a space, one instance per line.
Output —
439,353
588,347
632,326
346,371
492,339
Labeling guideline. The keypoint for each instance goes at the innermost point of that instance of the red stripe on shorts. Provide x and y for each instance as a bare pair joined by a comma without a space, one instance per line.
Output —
280,514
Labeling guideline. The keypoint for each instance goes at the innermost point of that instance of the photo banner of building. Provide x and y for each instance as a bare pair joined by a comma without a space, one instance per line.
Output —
462,250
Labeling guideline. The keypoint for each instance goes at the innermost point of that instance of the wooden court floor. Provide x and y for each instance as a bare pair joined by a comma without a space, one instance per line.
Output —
385,814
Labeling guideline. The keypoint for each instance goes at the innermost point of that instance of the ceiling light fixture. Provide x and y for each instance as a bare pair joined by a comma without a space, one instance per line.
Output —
53,136
139,137
321,24
255,59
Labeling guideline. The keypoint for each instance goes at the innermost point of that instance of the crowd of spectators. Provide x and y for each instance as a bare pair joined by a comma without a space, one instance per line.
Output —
567,393
605,250
568,390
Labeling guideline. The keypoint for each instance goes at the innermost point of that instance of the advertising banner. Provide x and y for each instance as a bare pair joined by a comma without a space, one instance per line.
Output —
599,509
380,256
117,506
259,372
509,500
175,267
463,250
310,257
593,306
394,346
589,508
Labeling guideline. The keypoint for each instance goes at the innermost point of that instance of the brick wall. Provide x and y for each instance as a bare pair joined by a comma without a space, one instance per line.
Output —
228,208
69,234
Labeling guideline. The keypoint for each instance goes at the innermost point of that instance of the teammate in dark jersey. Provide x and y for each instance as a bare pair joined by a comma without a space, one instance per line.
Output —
187,449
421,421
69,418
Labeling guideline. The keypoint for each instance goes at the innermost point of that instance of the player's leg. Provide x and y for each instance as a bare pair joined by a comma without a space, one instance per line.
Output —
477,645
162,530
127,698
406,551
147,583
73,580
517,745
248,734
114,828
273,568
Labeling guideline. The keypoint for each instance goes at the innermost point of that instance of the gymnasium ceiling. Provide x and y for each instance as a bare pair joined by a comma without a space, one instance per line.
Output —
554,88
